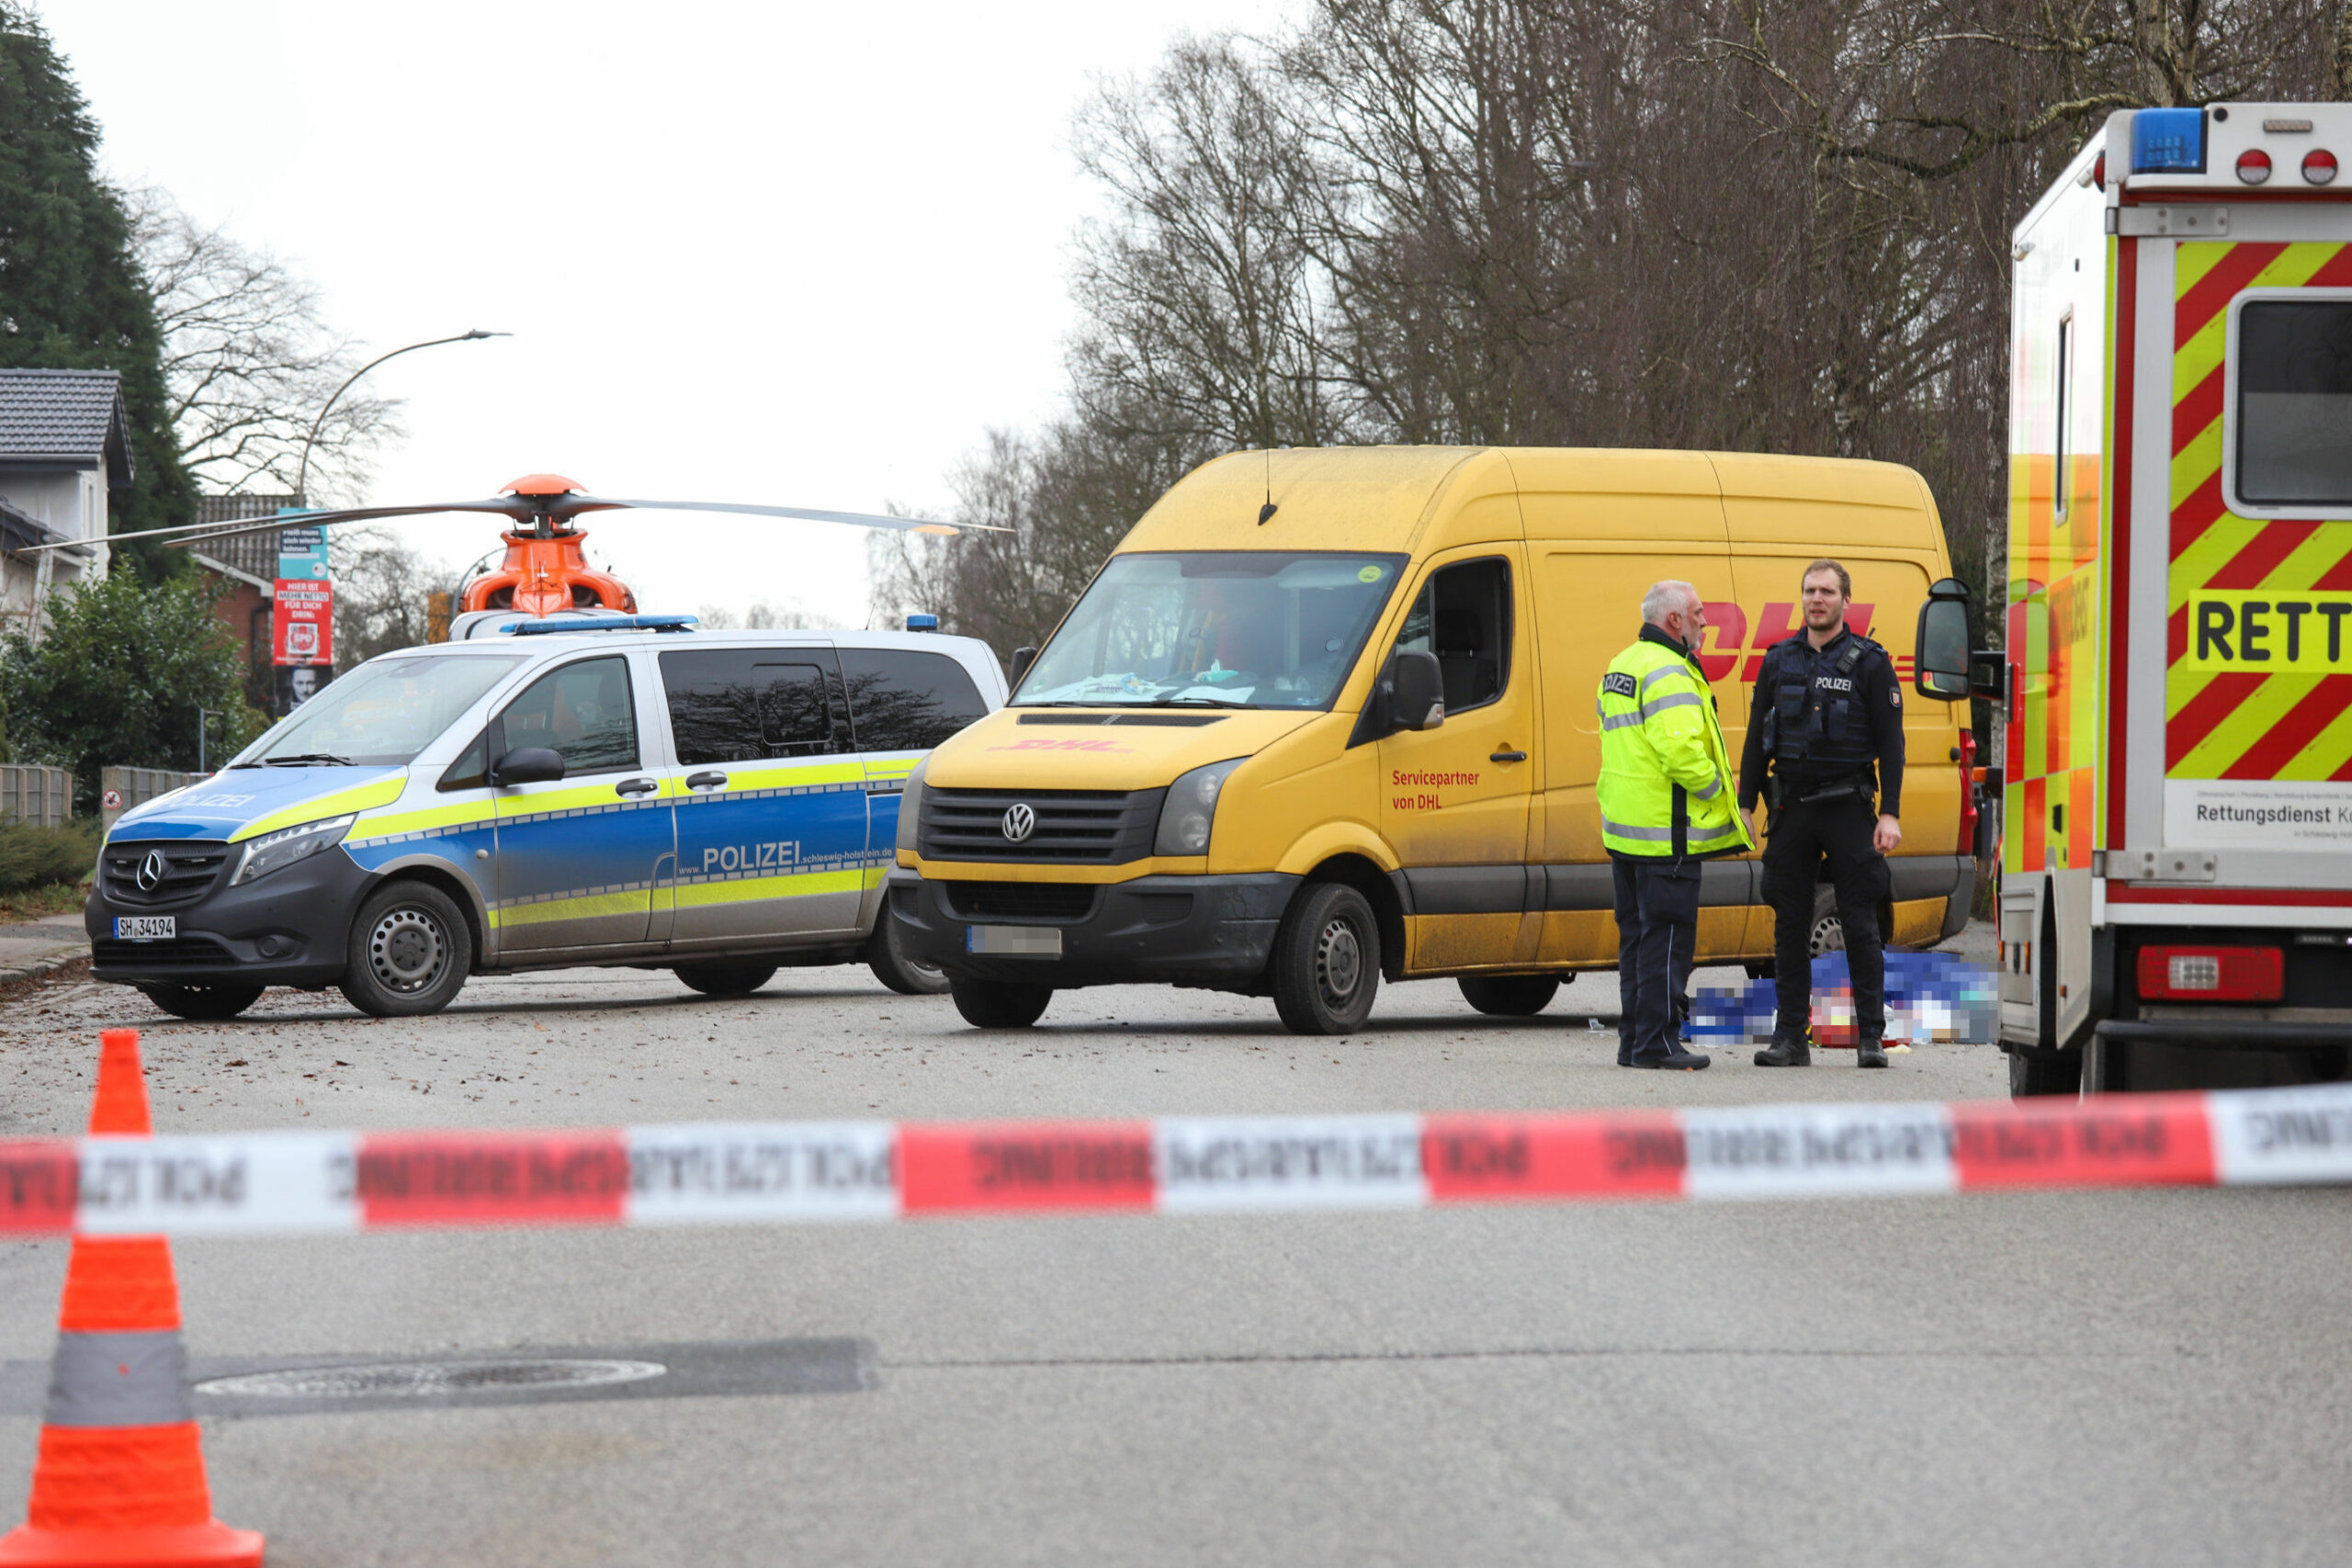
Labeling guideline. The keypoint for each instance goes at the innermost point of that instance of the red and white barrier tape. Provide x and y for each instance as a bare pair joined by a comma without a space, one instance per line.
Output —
787,1172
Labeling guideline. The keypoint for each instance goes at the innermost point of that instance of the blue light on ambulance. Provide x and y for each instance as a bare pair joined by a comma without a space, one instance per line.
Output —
2169,142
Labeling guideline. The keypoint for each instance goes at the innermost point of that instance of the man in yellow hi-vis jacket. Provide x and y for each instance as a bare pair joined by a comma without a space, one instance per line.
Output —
1667,801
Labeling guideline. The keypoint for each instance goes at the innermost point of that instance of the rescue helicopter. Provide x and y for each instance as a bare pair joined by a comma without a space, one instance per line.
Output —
545,571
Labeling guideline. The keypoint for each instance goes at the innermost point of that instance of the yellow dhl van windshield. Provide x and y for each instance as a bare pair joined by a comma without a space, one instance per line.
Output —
381,714
1226,628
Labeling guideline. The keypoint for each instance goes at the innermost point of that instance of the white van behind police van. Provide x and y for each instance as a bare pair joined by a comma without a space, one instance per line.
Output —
627,791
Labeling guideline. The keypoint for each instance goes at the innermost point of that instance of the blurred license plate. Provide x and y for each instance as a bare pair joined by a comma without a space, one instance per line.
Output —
145,928
1016,942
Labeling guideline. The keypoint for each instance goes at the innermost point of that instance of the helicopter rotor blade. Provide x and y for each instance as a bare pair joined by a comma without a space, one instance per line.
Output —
516,509
811,515
196,533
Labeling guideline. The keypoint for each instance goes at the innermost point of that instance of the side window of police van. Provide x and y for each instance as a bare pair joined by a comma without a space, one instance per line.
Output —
747,704
901,699
1462,615
584,711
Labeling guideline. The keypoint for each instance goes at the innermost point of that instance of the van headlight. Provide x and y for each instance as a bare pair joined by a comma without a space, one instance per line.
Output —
275,851
1190,810
910,807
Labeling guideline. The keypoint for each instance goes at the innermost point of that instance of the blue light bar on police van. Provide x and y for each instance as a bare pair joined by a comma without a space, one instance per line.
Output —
922,622
556,625
2169,142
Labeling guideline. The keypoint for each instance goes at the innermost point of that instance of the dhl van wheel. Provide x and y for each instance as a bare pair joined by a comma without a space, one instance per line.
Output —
1000,1004
1509,996
202,1001
409,953
1327,961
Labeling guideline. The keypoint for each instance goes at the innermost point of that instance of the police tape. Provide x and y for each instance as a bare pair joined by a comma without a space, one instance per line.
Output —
790,1172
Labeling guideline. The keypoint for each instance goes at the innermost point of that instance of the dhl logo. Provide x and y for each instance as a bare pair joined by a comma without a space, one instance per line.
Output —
1034,744
1720,651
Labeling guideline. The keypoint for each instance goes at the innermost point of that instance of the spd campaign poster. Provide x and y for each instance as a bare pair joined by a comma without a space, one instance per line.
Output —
302,621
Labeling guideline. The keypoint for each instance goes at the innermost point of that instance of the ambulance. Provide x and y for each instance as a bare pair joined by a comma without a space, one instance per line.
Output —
2176,876
584,791
1328,717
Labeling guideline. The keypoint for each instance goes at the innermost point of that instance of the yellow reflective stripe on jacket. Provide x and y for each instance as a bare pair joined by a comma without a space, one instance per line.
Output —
1664,766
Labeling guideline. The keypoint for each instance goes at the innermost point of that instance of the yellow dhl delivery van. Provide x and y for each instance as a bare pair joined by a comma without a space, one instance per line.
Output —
1328,716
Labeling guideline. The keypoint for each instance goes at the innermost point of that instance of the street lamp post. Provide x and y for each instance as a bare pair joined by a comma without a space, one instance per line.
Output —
201,715
302,478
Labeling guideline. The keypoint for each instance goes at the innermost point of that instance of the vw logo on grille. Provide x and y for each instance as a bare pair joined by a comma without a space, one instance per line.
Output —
1019,822
151,870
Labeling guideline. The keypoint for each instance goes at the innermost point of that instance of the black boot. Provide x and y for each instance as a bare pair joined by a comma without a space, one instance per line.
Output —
1788,1051
1869,1052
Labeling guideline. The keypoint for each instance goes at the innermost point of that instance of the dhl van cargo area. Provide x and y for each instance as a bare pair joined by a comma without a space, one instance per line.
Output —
1328,717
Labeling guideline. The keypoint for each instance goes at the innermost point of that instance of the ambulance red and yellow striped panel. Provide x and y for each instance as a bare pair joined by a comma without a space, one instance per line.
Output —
2054,597
2222,723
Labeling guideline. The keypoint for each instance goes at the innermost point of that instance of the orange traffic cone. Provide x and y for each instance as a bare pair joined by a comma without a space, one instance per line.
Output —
119,1479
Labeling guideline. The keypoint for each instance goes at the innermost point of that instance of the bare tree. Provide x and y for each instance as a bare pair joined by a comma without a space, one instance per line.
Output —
762,616
1065,497
249,361
383,592
1750,225
1207,312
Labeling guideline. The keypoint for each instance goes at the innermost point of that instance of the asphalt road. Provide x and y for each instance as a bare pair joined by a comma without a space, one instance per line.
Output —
2094,1377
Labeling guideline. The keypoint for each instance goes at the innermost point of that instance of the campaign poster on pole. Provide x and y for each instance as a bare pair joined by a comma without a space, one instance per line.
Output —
303,615
303,622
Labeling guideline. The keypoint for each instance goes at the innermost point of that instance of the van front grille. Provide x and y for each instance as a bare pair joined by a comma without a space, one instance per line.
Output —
184,871
1020,900
172,953
1072,827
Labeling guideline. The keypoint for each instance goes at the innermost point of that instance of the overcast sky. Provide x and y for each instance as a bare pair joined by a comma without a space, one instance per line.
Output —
798,254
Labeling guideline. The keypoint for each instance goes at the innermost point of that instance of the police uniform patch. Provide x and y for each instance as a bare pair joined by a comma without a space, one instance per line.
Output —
1894,695
1619,682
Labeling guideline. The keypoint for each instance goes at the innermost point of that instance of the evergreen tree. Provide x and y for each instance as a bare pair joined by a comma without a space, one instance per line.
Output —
118,679
71,297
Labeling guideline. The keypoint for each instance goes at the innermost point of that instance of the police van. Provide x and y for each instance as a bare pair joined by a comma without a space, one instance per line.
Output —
616,791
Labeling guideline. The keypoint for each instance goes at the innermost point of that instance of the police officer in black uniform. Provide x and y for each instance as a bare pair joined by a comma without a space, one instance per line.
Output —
1828,721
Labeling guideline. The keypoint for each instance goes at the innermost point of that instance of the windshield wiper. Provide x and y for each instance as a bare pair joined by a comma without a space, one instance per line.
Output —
1174,697
298,758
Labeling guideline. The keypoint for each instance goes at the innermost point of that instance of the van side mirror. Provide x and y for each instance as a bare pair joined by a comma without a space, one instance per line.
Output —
1416,692
1940,664
527,764
1022,659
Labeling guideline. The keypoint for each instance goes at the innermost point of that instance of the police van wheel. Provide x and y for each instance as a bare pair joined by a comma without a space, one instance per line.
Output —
202,1001
1327,961
409,954
1829,932
725,980
1509,996
1000,1004
889,960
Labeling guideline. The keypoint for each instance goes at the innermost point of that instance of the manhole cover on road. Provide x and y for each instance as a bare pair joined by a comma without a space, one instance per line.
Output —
429,1380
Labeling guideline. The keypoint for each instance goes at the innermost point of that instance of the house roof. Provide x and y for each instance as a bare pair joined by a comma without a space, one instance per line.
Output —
65,417
19,529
